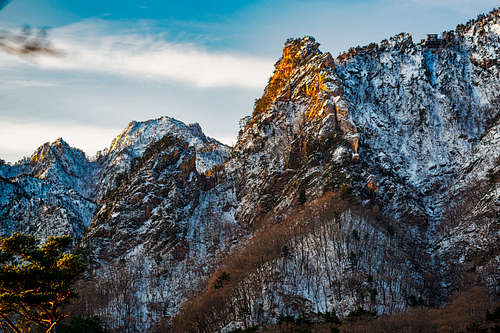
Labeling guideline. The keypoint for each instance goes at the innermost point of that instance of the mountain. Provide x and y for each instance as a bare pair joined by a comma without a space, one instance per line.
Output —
51,193
370,180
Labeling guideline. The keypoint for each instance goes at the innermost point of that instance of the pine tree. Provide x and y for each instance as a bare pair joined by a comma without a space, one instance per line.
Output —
35,281
302,197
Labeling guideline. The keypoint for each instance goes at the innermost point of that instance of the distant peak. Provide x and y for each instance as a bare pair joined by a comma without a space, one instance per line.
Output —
138,134
50,150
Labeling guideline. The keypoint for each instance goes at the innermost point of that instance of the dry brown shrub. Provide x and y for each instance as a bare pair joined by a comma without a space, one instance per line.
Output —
208,311
465,313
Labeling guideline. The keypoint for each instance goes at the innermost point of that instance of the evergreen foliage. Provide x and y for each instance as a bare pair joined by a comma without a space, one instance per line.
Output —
223,277
361,314
331,317
82,325
302,197
35,281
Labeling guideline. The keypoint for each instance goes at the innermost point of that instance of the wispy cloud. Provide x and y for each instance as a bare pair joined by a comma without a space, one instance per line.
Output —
16,84
27,43
87,47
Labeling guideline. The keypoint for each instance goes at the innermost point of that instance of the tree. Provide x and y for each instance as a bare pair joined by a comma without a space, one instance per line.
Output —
35,281
219,283
302,196
82,325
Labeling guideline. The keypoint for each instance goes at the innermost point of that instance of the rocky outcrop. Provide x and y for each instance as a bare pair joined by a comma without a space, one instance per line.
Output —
368,180
51,193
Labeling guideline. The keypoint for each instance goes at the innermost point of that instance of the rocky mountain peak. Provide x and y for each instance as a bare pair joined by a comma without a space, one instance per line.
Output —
306,79
50,193
480,24
400,140
49,151
61,164
197,131
298,54
134,140
300,49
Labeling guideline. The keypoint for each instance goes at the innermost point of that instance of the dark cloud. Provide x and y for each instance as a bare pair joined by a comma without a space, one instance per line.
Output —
28,42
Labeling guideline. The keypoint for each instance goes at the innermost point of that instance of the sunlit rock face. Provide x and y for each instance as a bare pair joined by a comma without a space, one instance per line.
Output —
401,138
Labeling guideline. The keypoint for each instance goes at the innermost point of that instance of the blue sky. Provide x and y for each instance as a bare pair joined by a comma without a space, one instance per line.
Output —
197,61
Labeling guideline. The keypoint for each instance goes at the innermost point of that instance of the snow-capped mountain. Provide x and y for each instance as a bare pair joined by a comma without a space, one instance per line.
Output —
56,190
368,180
51,193
134,140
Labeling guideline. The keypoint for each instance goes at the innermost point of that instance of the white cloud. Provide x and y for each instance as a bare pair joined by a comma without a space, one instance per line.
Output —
16,84
89,47
21,139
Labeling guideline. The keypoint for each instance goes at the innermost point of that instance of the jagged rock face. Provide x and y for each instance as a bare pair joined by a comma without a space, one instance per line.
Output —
302,138
146,205
405,134
52,193
59,183
467,236
427,123
33,206
60,164
161,215
429,117
296,128
134,140
420,111
146,198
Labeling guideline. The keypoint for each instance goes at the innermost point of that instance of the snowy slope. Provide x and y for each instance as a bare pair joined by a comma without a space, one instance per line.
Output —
52,193
402,137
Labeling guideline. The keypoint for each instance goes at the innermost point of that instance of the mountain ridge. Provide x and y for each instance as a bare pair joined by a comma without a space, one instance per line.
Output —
371,181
